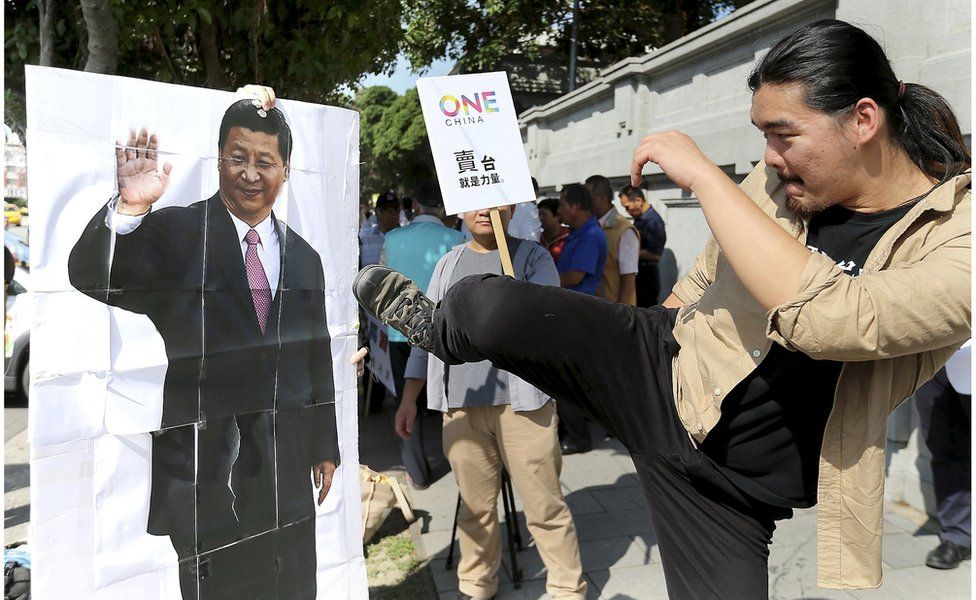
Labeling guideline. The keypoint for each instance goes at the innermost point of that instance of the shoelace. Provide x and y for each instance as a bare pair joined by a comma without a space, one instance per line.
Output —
411,315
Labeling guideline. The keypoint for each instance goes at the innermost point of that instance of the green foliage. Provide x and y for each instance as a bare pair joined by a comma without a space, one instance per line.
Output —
393,140
479,34
305,49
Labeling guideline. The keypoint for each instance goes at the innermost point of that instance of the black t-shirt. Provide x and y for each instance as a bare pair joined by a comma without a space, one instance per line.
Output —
769,437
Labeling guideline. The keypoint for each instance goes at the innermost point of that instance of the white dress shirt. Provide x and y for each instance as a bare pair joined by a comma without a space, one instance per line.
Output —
269,251
629,248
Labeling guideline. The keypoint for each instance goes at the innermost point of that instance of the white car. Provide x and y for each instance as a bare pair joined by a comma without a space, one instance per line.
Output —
16,334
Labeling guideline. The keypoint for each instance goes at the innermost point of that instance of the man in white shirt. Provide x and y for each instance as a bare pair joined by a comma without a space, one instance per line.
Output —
619,283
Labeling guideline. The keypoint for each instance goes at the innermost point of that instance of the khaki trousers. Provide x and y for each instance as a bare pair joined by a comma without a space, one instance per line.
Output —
477,442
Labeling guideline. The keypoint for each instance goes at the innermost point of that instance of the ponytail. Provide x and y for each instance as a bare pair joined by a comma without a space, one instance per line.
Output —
838,64
928,131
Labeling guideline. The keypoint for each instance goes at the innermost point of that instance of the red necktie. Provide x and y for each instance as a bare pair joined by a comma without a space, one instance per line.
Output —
257,280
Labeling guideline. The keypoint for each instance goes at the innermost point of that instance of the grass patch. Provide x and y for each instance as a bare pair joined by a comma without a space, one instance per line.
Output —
392,567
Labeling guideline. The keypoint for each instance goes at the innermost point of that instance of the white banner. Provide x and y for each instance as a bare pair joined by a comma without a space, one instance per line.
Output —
183,414
474,137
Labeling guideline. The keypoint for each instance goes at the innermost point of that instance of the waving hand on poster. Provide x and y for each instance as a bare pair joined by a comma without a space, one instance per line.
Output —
140,183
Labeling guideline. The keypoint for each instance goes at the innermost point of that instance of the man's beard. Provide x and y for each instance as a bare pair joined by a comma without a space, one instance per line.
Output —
805,211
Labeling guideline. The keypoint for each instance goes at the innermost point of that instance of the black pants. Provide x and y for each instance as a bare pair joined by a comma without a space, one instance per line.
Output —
945,423
272,565
648,284
411,450
614,362
245,526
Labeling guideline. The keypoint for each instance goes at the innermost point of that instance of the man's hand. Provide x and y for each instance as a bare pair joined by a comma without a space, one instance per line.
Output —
140,183
405,415
359,359
678,156
262,93
322,476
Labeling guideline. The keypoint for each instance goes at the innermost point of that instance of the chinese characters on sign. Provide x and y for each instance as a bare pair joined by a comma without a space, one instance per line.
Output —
466,162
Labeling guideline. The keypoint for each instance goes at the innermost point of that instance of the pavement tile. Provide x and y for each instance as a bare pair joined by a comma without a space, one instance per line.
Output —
624,551
529,562
643,582
801,528
582,503
905,550
608,475
594,459
445,580
793,574
613,524
922,582
620,498
436,543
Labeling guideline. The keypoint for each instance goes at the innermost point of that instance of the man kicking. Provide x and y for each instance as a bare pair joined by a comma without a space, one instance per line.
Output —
836,282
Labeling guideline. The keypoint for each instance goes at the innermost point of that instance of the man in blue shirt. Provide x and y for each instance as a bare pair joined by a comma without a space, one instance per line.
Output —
414,251
652,238
371,237
584,256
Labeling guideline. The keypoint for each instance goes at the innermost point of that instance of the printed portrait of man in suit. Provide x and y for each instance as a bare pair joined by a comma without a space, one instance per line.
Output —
247,443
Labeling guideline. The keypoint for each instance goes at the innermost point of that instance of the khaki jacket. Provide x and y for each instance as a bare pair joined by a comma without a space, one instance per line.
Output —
614,229
893,326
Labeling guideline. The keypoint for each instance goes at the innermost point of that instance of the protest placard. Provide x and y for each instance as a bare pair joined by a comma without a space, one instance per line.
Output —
474,138
188,381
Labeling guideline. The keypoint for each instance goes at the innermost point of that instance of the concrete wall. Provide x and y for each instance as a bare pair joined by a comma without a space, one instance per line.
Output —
698,85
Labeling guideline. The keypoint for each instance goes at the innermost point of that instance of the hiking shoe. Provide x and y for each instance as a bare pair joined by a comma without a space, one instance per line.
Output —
397,302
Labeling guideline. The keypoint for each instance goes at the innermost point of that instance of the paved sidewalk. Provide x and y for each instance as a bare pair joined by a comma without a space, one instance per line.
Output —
620,557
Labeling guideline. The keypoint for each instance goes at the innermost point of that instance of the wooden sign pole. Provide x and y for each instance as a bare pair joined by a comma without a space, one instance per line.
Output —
496,225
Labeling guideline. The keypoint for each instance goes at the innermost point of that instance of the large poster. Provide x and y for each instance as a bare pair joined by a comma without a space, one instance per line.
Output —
193,415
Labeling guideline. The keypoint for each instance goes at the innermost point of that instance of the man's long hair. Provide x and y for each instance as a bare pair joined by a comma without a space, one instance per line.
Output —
838,64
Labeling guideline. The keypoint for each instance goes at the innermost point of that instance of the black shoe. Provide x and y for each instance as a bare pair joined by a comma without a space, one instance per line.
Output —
463,596
572,447
947,556
397,302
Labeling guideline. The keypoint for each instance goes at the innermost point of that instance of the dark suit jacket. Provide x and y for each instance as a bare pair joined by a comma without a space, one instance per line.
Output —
182,267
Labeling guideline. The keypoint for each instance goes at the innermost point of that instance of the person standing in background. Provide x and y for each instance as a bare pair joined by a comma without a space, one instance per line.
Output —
653,236
493,420
414,251
945,423
554,233
371,238
619,281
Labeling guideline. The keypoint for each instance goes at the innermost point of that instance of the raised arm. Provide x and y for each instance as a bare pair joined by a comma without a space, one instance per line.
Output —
763,255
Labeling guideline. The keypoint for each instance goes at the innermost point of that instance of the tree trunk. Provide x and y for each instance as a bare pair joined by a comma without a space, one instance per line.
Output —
103,40
45,9
210,54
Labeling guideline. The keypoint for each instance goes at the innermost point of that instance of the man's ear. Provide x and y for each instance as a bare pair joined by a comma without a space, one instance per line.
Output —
867,120
287,170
